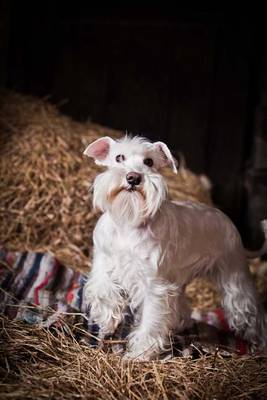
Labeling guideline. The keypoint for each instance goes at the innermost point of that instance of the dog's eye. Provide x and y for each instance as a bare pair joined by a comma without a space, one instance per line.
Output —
148,161
120,158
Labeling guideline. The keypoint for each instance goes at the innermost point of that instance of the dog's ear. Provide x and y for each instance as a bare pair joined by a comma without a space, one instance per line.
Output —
99,150
166,157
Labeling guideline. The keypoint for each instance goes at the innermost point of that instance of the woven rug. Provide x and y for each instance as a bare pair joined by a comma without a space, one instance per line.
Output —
37,289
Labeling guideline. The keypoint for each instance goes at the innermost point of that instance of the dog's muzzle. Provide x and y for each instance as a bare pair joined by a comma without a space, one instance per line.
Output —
133,178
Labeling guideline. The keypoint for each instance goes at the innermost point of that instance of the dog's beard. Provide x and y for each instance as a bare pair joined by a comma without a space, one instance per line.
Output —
129,206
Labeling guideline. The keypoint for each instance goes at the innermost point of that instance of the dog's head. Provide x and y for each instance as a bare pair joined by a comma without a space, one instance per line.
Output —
132,188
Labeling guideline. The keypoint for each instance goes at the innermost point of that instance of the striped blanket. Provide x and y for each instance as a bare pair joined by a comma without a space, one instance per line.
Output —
38,289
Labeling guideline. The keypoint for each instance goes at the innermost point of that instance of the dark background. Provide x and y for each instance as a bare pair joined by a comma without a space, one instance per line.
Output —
193,77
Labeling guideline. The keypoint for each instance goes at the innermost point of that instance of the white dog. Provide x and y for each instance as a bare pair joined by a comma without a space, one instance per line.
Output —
148,248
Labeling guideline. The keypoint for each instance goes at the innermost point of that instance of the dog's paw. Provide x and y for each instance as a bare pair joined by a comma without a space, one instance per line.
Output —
142,348
108,328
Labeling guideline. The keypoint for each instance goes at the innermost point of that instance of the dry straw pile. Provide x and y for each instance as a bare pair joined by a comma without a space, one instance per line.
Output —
39,364
45,180
45,206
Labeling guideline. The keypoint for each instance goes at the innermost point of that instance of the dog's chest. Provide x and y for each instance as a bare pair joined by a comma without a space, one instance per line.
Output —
134,262
132,252
131,246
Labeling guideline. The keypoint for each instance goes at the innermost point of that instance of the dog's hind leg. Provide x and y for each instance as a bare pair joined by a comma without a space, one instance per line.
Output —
240,301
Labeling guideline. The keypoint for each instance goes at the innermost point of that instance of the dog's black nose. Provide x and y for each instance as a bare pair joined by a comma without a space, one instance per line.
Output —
133,178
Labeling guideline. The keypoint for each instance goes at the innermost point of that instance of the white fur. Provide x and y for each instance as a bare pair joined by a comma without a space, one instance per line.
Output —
147,249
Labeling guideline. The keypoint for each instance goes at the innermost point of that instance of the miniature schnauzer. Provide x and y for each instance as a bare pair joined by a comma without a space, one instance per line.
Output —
148,248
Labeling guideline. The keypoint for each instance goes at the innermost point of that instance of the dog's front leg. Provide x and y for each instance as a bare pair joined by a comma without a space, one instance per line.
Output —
152,334
103,296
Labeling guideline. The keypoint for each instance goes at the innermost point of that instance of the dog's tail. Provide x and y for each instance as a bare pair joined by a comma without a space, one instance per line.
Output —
263,249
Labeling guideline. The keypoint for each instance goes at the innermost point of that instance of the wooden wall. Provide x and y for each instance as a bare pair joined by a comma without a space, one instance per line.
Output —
188,77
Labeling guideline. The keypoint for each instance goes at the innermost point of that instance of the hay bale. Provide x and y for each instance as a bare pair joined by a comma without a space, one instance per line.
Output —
44,200
45,204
